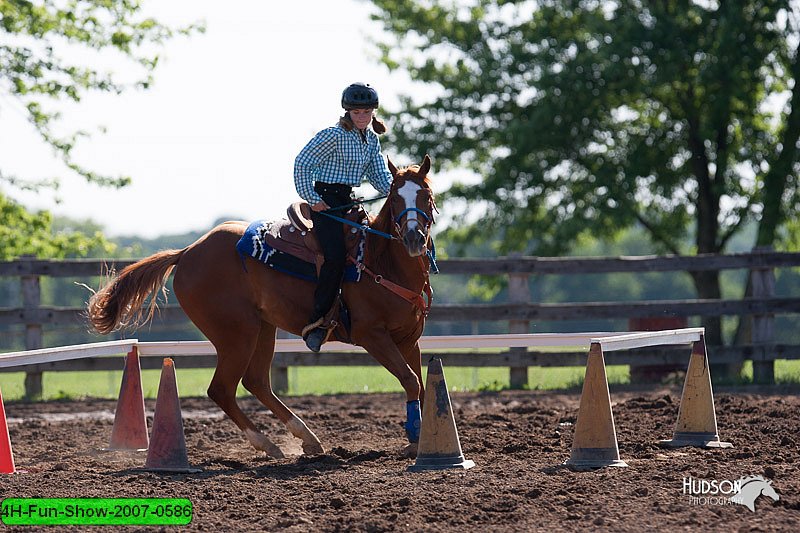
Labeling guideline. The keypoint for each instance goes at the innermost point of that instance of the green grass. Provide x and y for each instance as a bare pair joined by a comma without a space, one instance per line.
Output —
332,380
786,372
335,380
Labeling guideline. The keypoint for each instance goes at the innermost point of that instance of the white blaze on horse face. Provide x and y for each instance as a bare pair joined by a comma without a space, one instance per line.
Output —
408,192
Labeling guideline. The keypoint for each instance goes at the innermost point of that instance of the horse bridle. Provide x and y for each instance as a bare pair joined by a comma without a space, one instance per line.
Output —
423,307
401,220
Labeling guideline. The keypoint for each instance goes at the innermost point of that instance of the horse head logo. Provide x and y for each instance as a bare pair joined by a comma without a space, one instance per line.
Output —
752,487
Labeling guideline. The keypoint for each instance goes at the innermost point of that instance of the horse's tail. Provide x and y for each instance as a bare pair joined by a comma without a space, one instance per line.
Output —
121,303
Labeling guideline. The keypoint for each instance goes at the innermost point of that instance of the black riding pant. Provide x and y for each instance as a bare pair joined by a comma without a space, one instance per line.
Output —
330,234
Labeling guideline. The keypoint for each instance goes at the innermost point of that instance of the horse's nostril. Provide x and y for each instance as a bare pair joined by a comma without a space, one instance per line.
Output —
415,237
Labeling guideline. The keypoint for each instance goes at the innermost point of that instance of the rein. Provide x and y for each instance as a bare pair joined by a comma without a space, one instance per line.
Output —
408,295
357,202
362,227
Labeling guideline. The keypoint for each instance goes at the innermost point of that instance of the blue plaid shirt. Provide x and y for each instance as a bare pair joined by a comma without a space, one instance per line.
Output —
336,155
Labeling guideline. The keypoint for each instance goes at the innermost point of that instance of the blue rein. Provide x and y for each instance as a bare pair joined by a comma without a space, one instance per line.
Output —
363,227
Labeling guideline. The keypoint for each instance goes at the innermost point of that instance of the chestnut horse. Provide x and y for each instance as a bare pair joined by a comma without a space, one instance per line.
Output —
238,303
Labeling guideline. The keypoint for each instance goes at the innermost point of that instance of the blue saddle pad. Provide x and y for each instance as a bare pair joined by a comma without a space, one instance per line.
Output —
253,244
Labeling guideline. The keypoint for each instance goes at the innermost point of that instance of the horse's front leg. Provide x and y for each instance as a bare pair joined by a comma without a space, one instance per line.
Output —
381,346
413,358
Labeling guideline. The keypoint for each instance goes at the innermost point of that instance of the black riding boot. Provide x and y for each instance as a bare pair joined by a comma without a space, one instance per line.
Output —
330,235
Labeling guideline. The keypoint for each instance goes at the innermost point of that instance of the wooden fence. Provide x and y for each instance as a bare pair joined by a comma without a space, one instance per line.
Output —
519,311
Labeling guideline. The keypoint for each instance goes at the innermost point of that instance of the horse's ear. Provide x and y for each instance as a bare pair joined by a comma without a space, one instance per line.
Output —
425,167
392,168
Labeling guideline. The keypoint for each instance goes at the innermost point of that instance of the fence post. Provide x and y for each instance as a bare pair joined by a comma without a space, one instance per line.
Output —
279,375
763,336
518,292
31,300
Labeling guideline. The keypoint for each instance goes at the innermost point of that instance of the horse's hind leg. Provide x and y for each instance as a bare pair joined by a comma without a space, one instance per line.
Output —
257,380
232,360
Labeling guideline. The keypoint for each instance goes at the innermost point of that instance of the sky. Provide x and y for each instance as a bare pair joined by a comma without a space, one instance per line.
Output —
217,134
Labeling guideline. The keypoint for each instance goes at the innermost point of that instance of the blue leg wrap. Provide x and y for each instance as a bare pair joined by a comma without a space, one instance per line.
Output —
413,420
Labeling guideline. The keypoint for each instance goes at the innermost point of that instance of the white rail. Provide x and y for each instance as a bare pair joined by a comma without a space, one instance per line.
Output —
63,353
445,342
608,341
649,338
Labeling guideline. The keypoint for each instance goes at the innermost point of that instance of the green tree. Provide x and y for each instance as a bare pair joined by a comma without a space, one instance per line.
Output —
25,233
589,116
47,53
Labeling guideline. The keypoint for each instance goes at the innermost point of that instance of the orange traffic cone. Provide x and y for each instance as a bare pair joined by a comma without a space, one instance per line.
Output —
130,424
167,451
697,419
6,455
439,446
595,442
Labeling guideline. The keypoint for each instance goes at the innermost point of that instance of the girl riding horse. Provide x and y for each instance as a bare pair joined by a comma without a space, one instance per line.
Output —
238,304
326,170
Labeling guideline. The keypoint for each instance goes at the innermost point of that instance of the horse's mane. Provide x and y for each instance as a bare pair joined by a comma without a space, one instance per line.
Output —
377,255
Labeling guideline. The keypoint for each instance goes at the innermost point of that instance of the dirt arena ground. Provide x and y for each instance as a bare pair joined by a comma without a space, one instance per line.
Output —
517,439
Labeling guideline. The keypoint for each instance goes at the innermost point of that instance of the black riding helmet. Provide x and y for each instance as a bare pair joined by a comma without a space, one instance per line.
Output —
360,96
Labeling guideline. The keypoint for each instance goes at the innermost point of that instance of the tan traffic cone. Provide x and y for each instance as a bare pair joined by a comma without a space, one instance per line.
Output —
594,444
439,446
697,419
6,455
167,451
130,424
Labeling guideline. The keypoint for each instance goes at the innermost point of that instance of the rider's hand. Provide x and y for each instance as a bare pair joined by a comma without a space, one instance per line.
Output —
320,206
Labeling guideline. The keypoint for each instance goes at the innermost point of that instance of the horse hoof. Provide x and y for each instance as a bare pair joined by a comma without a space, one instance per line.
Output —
314,448
261,442
273,451
410,450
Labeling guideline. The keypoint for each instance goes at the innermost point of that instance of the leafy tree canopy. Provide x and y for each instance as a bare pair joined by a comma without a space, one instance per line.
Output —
25,233
588,116
47,49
